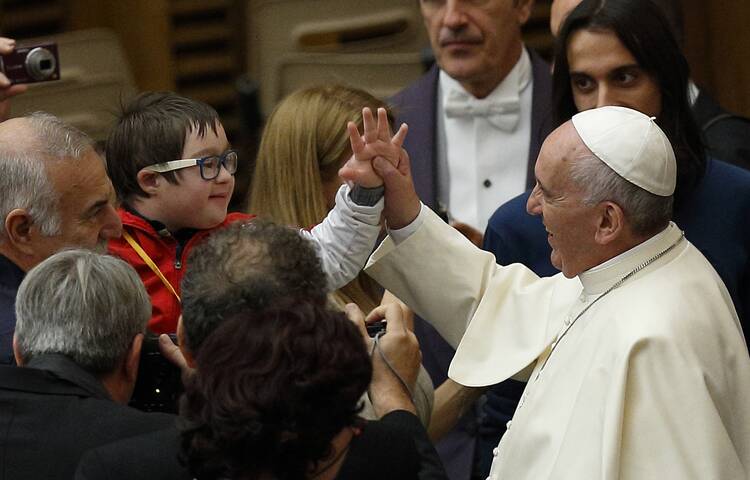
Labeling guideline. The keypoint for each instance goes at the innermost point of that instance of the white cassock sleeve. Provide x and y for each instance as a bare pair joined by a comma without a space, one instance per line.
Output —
345,238
449,282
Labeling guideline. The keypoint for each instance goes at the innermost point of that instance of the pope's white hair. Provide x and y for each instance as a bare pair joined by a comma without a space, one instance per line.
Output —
647,213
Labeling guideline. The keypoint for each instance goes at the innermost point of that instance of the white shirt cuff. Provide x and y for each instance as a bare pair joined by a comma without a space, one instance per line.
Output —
401,234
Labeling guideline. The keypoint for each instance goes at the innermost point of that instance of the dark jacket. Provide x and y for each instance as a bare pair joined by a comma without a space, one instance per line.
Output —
52,411
395,447
11,277
726,135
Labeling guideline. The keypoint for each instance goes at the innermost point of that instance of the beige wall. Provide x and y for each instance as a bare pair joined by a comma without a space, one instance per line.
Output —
143,28
718,47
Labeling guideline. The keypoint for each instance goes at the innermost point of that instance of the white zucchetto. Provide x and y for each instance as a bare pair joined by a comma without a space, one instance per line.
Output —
632,145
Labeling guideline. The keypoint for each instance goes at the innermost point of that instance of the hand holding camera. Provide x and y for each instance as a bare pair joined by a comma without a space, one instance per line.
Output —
395,357
7,89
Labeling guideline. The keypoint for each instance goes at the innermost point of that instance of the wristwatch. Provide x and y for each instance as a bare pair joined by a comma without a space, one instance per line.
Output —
366,197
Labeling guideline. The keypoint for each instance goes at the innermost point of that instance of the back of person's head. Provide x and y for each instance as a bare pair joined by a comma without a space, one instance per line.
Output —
27,146
84,305
271,390
246,266
644,31
304,144
152,129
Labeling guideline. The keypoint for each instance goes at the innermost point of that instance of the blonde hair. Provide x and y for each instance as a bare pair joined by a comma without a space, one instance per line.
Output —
304,144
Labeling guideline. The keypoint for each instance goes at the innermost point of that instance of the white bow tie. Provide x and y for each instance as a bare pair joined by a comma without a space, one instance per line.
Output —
504,113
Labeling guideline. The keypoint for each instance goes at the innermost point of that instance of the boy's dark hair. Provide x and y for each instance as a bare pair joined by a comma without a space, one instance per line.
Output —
152,129
246,267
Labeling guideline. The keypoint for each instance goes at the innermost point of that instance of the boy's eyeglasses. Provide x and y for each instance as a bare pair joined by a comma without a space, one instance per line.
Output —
210,166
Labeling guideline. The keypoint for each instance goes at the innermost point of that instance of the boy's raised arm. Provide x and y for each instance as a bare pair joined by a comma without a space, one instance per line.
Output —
348,234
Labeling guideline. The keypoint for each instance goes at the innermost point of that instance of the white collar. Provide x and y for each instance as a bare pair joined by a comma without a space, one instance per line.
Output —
599,278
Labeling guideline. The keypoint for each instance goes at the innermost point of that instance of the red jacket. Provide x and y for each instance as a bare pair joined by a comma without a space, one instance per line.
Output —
166,254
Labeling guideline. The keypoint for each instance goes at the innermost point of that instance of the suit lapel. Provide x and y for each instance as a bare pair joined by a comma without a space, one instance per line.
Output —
417,107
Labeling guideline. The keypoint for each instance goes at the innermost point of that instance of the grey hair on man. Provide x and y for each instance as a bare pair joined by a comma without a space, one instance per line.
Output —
647,213
84,305
246,265
23,168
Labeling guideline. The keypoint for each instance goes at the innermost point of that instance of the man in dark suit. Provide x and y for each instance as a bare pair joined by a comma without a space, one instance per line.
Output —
485,82
477,121
240,270
81,317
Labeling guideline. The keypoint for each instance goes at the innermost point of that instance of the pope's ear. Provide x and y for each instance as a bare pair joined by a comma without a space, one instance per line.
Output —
149,181
611,223
18,230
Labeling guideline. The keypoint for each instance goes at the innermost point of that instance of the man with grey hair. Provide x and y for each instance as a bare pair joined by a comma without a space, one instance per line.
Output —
55,195
81,317
634,356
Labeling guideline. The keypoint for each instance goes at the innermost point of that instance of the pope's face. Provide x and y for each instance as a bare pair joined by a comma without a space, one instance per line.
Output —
570,223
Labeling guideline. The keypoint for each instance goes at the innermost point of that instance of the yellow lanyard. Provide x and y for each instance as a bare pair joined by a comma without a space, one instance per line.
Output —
144,256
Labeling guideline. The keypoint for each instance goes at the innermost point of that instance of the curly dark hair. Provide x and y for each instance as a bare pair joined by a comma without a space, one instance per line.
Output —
644,30
152,129
271,391
246,266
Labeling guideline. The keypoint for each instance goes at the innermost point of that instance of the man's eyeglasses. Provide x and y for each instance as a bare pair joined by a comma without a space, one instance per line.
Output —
210,166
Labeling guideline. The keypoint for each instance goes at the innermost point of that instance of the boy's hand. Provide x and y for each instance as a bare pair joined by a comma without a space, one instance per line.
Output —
376,142
6,89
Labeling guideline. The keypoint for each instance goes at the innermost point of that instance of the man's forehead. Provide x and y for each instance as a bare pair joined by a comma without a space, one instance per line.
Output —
565,143
69,173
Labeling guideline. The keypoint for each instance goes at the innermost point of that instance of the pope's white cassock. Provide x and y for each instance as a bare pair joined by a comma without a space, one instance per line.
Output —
651,382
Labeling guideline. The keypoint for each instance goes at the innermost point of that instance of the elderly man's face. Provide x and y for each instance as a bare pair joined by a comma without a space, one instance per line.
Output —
570,224
475,40
86,206
603,72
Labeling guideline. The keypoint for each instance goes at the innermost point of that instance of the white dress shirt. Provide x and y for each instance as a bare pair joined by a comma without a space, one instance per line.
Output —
481,166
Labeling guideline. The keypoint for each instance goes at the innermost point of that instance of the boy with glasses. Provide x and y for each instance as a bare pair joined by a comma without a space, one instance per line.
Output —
173,170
